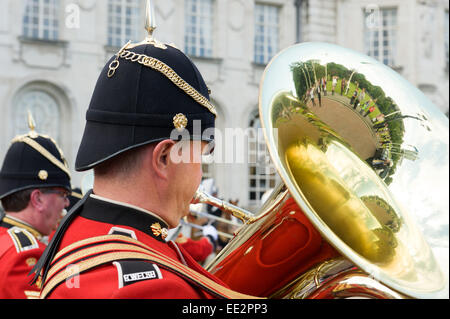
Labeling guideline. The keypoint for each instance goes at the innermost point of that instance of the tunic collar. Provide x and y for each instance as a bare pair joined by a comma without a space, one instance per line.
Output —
9,221
118,213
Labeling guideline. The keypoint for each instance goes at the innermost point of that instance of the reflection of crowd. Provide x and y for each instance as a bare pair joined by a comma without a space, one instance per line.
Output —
368,107
323,83
381,162
319,95
359,97
333,84
357,100
365,108
343,84
383,135
353,98
319,89
315,90
311,95
360,101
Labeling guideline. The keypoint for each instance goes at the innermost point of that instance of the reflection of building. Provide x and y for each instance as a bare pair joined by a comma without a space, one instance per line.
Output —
52,51
410,36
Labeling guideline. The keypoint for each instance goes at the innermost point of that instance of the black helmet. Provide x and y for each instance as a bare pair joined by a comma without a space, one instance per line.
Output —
33,161
74,197
144,93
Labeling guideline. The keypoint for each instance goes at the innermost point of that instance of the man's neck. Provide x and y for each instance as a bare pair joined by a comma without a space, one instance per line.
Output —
95,196
142,196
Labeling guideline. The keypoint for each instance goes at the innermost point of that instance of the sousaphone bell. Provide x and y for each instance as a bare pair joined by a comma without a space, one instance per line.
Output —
363,156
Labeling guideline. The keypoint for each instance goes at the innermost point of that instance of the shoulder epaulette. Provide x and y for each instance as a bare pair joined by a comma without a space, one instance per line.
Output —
23,240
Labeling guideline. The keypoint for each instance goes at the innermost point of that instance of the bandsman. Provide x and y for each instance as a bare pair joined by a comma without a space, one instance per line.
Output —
147,99
34,189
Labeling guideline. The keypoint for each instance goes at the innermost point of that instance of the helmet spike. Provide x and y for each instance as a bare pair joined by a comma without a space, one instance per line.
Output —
31,125
150,21
150,26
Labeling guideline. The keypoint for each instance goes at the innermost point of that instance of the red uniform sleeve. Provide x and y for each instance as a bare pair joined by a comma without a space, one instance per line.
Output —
198,249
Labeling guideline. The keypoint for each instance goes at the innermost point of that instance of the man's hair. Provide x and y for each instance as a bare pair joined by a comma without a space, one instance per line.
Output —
122,165
18,201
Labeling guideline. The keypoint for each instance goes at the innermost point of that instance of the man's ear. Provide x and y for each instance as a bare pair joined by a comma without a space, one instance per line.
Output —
36,199
161,157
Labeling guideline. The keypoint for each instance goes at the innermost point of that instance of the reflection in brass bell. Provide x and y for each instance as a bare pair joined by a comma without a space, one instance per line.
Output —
339,129
345,132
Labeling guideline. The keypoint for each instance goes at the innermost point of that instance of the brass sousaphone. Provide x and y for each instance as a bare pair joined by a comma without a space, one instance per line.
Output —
364,171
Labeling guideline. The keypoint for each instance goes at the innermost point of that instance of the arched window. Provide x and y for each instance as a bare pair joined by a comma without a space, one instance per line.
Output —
262,175
45,110
40,20
123,22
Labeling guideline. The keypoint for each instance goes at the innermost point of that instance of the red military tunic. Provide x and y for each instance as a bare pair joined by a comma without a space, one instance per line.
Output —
126,278
198,249
20,248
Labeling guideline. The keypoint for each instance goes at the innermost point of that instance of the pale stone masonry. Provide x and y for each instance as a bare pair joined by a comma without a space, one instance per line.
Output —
56,77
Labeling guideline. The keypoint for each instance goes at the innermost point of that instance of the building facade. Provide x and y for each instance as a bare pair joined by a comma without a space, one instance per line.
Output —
51,52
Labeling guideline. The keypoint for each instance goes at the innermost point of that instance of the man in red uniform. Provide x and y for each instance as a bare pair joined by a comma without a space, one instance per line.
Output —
148,123
201,248
34,185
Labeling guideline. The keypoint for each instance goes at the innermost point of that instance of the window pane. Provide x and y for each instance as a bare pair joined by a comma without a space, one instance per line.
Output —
260,178
41,19
199,24
123,22
266,32
382,37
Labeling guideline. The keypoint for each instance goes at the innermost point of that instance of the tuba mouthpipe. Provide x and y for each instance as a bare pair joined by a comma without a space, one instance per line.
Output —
240,213
213,217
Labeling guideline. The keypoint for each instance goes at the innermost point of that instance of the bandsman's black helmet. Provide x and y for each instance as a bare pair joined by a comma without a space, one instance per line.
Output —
144,93
74,197
33,161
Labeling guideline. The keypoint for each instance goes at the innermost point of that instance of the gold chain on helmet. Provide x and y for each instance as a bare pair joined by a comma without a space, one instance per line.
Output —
163,68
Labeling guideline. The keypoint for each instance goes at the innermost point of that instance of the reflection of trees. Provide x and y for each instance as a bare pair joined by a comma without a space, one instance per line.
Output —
306,73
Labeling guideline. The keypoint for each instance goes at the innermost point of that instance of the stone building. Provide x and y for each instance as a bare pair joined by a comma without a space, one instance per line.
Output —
51,52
